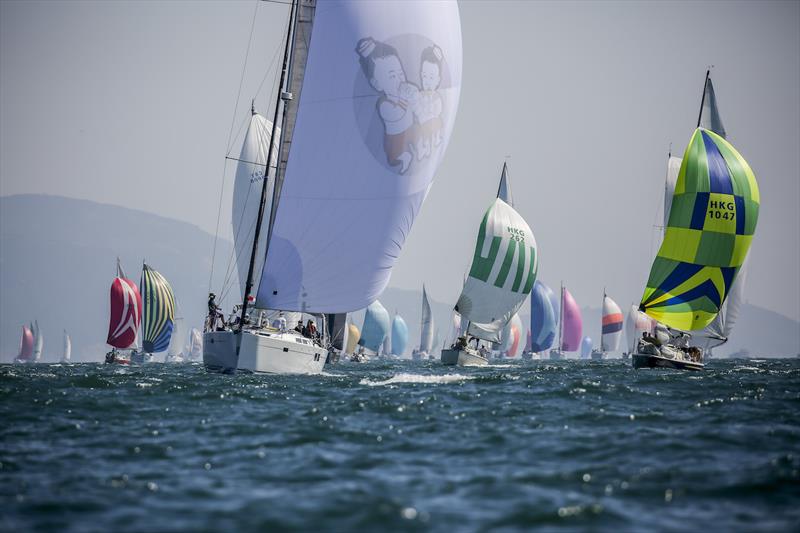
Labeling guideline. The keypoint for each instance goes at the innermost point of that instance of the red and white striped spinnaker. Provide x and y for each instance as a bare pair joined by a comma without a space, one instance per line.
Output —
126,311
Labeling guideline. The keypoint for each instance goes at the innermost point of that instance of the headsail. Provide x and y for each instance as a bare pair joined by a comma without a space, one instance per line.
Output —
126,311
195,344
376,327
250,172
336,325
504,190
504,268
371,115
176,341
544,321
399,335
426,329
636,324
711,224
611,331
571,322
159,311
586,347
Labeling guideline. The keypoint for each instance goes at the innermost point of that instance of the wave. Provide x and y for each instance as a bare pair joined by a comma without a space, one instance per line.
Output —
417,378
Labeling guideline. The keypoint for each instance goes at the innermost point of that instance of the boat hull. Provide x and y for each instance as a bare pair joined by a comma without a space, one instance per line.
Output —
598,355
454,357
140,358
280,353
220,351
556,355
645,360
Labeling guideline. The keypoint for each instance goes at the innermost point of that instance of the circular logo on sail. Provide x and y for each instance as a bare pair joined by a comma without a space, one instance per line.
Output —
400,100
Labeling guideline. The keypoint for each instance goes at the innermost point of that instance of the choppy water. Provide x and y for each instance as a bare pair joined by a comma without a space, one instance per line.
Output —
401,446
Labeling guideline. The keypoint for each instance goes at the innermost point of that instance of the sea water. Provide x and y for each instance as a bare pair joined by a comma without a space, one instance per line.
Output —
567,445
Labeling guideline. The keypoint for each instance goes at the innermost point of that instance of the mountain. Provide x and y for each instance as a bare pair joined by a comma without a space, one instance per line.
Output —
58,259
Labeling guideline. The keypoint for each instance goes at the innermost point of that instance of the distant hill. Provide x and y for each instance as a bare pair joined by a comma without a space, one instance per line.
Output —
58,255
58,258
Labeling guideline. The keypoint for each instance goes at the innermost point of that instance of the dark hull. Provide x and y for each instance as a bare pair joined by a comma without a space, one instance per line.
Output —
654,361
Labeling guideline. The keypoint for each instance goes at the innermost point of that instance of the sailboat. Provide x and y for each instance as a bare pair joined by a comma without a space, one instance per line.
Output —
175,351
25,354
374,331
543,321
38,342
124,317
710,223
67,355
504,268
610,328
195,350
399,336
570,326
586,347
426,330
361,137
158,316
353,335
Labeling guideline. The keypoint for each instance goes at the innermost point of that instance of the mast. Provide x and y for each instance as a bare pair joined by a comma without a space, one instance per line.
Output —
703,99
280,96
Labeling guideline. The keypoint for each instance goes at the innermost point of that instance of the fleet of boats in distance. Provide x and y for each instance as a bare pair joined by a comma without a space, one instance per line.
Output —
299,287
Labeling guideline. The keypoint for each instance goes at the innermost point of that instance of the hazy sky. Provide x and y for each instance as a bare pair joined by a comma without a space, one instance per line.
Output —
132,103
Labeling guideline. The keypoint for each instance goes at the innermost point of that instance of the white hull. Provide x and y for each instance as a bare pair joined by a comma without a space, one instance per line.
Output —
465,357
141,357
264,351
597,355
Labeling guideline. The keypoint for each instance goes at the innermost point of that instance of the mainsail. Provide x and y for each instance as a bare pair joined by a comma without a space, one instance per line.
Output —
571,326
26,345
250,173
503,271
358,144
336,325
709,112
376,327
38,341
711,222
126,311
159,310
544,321
399,335
426,327
67,347
611,330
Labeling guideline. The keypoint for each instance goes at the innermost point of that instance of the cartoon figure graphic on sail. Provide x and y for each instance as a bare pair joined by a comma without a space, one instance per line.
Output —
428,111
384,72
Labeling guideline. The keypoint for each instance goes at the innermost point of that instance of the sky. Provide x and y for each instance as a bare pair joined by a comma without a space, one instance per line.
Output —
138,103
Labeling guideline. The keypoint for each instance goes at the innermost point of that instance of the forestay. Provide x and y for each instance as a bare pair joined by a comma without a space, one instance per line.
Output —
372,114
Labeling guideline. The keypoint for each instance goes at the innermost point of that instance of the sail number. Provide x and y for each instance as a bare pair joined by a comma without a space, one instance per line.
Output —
721,210
516,234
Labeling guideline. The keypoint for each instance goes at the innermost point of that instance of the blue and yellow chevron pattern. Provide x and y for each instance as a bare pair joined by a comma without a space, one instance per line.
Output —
158,311
711,225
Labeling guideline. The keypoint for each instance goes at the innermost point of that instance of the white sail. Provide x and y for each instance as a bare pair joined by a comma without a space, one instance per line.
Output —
195,344
371,114
67,348
38,342
673,168
250,172
176,341
426,331
503,271
635,324
504,190
710,118
720,329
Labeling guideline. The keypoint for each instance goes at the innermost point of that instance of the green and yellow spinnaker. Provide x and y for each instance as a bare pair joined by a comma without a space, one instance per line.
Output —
711,224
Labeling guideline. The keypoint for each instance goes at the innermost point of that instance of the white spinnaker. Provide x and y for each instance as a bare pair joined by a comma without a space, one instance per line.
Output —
497,285
338,179
67,347
250,172
609,342
426,331
176,342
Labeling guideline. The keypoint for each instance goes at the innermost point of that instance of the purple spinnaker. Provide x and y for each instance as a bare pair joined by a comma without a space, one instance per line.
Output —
573,324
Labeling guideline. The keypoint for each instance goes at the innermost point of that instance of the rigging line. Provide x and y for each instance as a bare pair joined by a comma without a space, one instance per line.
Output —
230,133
